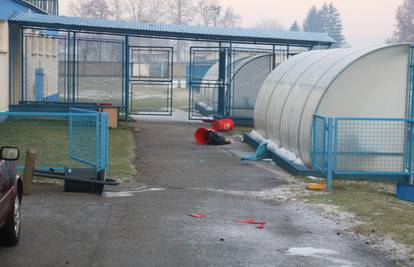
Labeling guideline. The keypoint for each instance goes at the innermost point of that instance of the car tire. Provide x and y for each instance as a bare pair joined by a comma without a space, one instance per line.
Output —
10,232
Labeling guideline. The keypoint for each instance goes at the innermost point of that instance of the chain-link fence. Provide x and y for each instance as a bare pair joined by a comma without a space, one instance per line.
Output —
81,68
75,139
363,146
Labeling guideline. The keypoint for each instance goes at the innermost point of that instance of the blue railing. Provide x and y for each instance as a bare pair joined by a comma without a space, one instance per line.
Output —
78,138
363,147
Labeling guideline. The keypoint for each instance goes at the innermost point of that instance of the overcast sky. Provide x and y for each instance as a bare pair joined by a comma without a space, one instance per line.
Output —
366,22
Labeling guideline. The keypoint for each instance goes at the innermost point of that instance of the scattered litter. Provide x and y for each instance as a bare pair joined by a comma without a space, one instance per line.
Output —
223,125
316,186
259,224
204,136
260,153
197,215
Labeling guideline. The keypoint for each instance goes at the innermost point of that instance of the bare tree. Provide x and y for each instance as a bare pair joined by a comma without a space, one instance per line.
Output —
91,9
181,11
147,10
117,9
137,10
230,18
211,13
270,25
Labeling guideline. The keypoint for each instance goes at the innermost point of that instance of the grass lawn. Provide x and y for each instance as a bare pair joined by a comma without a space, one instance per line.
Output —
374,204
121,153
50,139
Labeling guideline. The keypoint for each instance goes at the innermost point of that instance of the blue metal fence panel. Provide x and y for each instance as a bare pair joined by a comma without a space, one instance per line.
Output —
367,145
60,139
363,146
319,143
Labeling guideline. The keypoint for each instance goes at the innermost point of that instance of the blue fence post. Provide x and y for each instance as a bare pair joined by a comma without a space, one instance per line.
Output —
313,153
329,177
324,148
39,84
126,82
104,141
222,82
410,152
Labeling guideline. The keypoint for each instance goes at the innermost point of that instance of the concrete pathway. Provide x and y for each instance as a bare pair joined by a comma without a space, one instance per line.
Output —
146,223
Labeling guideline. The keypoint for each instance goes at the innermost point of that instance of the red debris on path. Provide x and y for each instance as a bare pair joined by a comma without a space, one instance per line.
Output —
260,224
250,221
197,215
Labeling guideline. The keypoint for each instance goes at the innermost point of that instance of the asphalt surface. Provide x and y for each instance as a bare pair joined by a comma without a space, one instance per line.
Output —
146,223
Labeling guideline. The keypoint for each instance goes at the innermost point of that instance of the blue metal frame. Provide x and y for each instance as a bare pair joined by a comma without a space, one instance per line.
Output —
126,82
170,51
101,134
101,161
220,81
329,152
177,32
330,166
287,165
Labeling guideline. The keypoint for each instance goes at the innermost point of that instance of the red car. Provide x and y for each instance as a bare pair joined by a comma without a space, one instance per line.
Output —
11,189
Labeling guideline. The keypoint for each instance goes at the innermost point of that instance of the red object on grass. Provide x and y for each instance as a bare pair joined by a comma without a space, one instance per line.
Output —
223,125
198,215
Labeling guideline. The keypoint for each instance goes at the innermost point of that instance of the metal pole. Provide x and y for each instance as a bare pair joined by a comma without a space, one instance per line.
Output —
22,62
274,57
190,84
73,67
230,87
222,79
329,180
68,66
411,108
126,89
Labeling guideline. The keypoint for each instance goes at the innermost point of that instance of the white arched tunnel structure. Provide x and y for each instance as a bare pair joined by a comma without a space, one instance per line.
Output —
249,73
365,82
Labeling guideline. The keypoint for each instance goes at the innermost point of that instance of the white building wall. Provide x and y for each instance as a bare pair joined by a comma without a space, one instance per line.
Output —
4,66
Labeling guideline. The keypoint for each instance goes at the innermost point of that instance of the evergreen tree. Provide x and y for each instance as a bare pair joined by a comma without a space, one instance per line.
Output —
312,22
295,27
404,31
330,20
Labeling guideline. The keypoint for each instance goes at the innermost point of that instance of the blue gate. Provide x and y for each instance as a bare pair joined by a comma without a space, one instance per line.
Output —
75,139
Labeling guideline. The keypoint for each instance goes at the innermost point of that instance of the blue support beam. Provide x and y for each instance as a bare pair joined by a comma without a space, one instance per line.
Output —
330,174
222,82
126,77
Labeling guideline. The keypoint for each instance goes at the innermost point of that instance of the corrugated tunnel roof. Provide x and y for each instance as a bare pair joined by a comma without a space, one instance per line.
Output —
219,34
